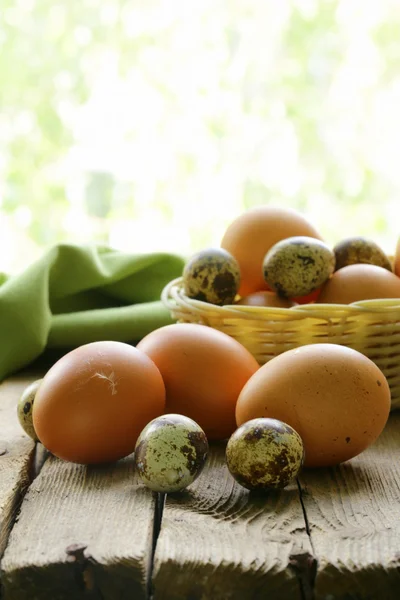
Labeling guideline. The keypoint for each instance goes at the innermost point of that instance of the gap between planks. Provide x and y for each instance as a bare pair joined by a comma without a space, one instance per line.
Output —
82,532
20,487
157,522
219,541
353,516
351,513
20,458
37,461
44,525
214,505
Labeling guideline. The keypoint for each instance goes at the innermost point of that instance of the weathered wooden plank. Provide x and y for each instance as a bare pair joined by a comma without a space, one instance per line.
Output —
353,512
220,541
82,532
16,454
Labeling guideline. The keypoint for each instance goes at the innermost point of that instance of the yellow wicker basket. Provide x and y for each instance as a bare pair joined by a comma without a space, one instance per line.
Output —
371,327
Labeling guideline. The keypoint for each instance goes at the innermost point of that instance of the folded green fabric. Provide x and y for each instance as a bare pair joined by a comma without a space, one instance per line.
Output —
78,294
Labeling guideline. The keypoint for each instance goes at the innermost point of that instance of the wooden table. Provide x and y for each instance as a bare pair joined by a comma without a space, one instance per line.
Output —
74,532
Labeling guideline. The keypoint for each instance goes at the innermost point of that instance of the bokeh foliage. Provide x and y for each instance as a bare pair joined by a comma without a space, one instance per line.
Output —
150,124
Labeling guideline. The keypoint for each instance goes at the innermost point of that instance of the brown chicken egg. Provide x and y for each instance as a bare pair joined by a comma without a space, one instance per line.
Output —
93,402
249,237
308,298
265,298
336,398
203,370
360,250
359,282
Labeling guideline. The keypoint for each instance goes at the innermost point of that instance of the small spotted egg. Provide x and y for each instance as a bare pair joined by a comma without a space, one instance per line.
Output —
212,275
170,453
264,453
297,266
25,406
358,250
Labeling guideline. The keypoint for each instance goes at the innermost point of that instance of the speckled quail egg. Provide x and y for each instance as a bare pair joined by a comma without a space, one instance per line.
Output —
357,250
264,453
297,266
212,275
170,453
25,406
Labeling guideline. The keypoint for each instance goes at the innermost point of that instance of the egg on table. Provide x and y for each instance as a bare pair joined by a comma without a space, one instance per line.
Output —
249,237
170,453
297,266
93,403
212,275
264,453
25,408
360,250
336,398
203,370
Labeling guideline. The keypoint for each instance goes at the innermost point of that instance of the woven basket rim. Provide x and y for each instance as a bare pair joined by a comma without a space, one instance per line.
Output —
173,296
370,326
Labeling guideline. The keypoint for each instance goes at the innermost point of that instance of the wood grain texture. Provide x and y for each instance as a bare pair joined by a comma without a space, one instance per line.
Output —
353,511
16,454
220,541
103,513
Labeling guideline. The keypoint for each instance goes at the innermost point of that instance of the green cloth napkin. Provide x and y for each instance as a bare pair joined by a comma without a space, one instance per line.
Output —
74,295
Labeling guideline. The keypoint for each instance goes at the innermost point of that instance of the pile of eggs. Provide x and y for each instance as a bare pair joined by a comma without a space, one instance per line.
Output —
272,256
185,385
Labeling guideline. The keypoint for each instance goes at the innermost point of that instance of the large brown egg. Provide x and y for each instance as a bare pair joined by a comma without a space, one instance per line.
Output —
336,398
359,282
93,403
204,370
249,237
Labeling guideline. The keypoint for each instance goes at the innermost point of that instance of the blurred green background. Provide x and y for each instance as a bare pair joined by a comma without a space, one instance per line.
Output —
151,124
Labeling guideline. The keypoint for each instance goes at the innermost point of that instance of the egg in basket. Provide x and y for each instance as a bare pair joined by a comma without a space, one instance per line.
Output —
274,285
